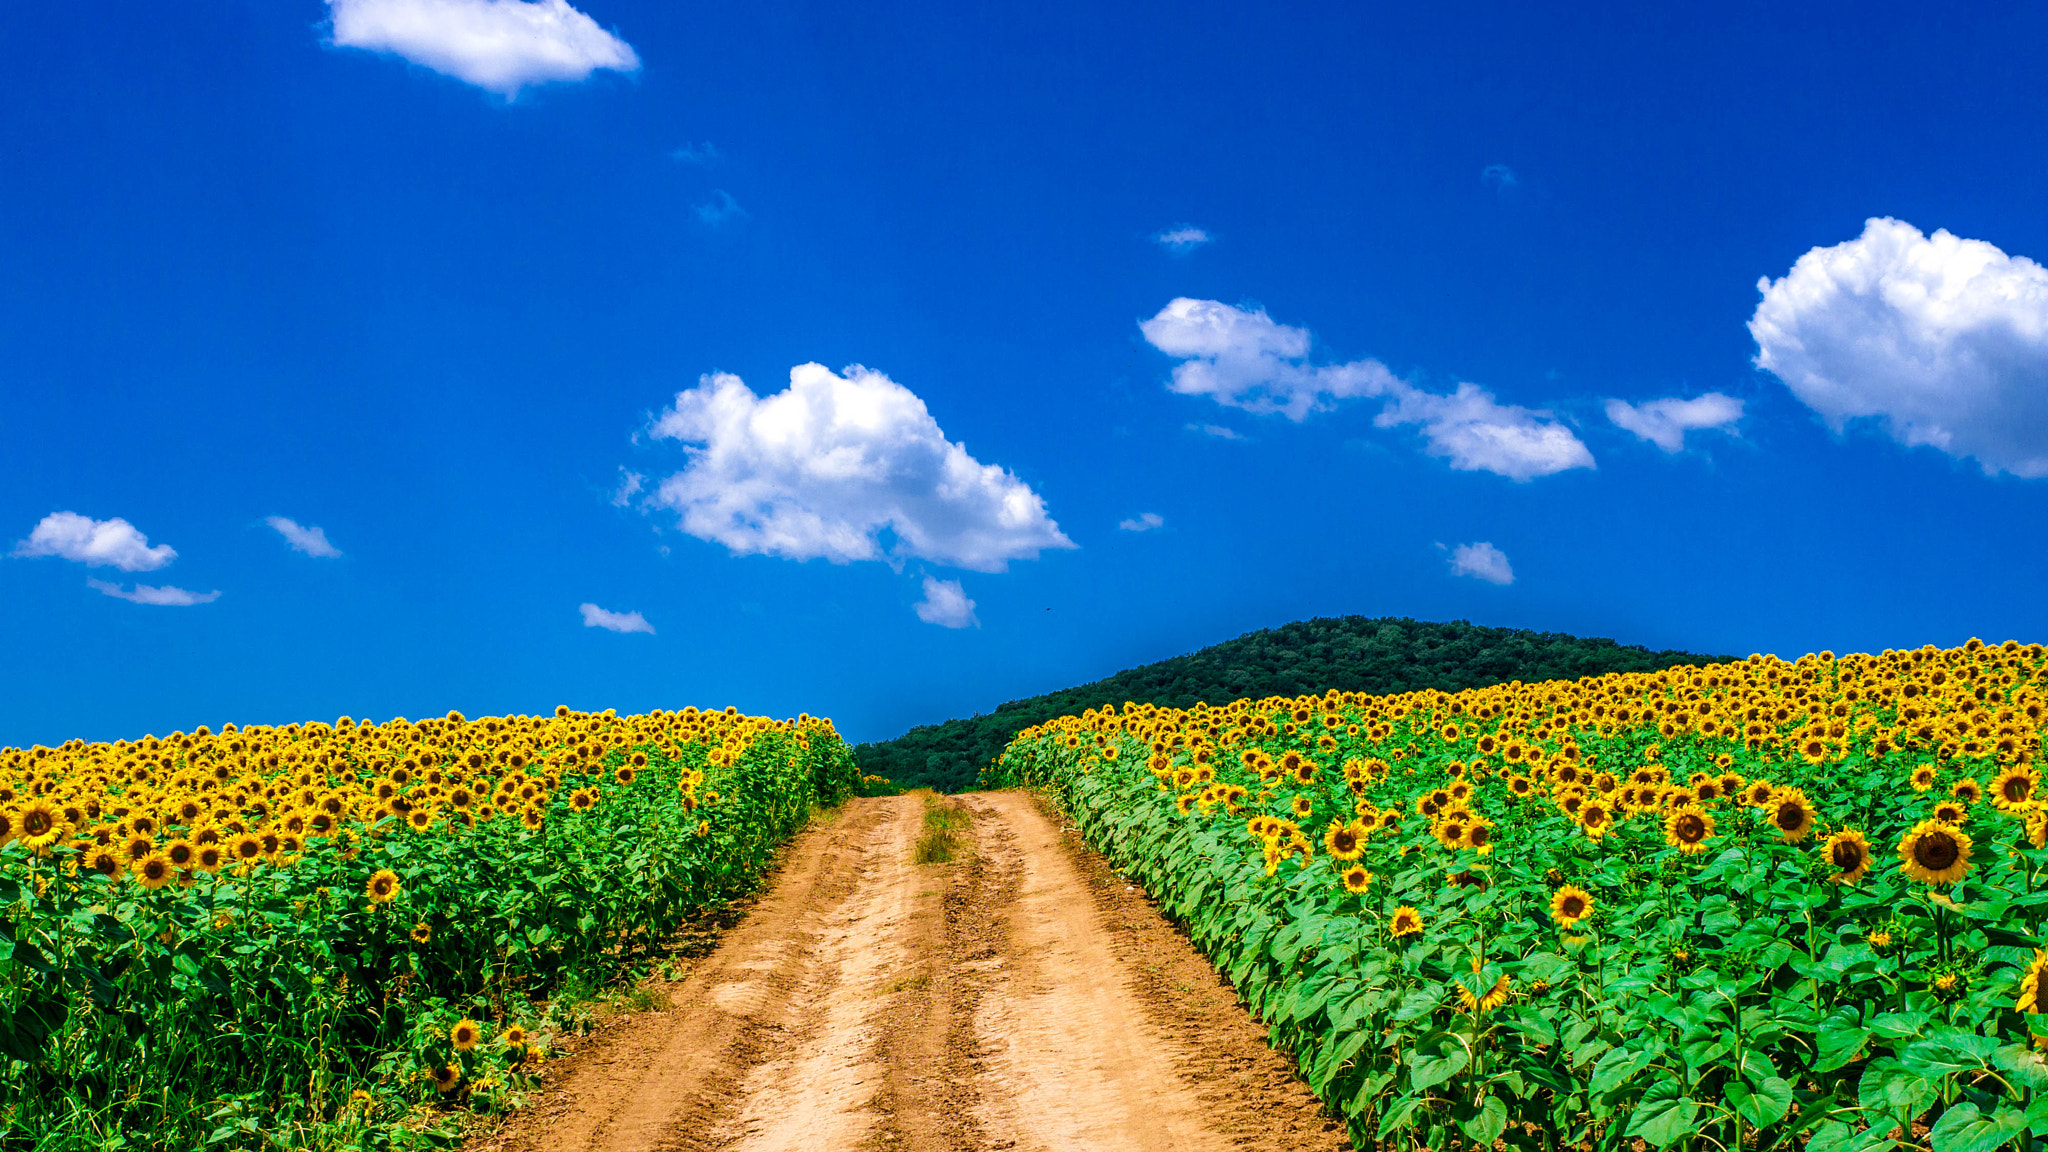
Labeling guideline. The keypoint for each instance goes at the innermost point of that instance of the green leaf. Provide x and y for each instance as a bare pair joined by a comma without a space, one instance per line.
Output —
1663,1114
1486,1124
1615,1068
1964,1129
1899,1025
1890,1088
1763,1103
1838,1046
1401,1115
1835,1136
1436,1059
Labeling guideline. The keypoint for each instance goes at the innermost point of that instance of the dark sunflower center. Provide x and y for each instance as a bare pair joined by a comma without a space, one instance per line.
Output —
1345,841
1573,907
1847,855
37,823
1692,829
2018,788
1790,816
1478,837
1936,851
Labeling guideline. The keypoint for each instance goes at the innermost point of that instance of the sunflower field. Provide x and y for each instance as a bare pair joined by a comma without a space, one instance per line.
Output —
1755,905
347,934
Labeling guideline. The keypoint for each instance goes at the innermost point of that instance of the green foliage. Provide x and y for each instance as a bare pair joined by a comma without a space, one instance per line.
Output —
243,1011
1380,655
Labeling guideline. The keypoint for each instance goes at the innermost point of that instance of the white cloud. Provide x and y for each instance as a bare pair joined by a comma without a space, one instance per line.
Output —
1500,176
1482,561
311,541
1216,430
832,463
98,543
1665,422
1942,340
704,154
630,484
1478,434
595,617
720,208
1143,522
166,596
1182,239
499,45
1243,359
946,604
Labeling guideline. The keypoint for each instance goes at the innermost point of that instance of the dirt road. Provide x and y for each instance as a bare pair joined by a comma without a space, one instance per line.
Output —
1023,997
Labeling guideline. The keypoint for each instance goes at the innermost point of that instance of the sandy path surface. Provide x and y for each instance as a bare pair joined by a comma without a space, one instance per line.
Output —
1022,997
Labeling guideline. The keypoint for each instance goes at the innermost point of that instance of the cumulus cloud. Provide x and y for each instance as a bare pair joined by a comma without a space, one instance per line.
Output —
630,484
720,208
499,45
1182,239
1482,561
1216,430
165,596
311,541
946,604
833,464
1943,341
595,617
1665,422
1244,359
1476,433
1143,522
111,543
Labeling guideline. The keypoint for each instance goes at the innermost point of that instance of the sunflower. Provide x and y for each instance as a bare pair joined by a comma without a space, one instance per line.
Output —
1479,837
180,853
422,932
1302,806
383,887
153,871
245,848
1950,811
1357,878
2014,787
39,824
1596,818
1570,904
209,858
446,1077
2034,986
1792,814
1967,791
1849,852
1758,793
1405,921
107,863
625,774
513,1036
466,1035
1922,778
1935,853
1494,998
1345,841
1688,829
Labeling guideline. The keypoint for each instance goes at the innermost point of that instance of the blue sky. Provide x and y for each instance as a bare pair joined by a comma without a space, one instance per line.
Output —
429,276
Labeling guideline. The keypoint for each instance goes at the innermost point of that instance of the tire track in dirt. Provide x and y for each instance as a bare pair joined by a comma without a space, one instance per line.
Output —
1022,997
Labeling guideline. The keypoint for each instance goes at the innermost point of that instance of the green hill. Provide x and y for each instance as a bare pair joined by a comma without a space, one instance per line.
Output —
1349,653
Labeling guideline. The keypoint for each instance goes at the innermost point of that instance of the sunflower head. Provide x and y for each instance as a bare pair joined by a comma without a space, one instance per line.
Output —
1849,852
2033,997
1791,814
1935,853
1967,791
422,932
1922,778
1570,904
1688,829
1357,879
446,1077
1344,841
2015,787
466,1035
383,886
1405,921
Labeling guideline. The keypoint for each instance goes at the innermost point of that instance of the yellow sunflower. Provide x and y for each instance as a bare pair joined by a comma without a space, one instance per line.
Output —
2015,787
1570,904
383,887
1688,829
1792,814
1405,921
466,1035
1849,852
1935,853
1345,841
39,824
2034,986
1357,878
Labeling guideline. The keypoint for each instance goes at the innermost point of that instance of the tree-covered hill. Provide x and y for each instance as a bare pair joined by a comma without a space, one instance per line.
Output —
1350,653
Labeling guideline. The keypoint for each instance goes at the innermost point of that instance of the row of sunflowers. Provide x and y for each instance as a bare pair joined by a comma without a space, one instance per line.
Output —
351,934
1762,904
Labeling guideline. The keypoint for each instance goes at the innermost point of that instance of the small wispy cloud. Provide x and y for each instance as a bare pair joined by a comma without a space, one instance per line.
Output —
311,541
1481,561
111,543
630,484
946,604
1216,430
720,208
1500,177
704,154
595,617
1143,522
165,596
1182,239
1665,422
